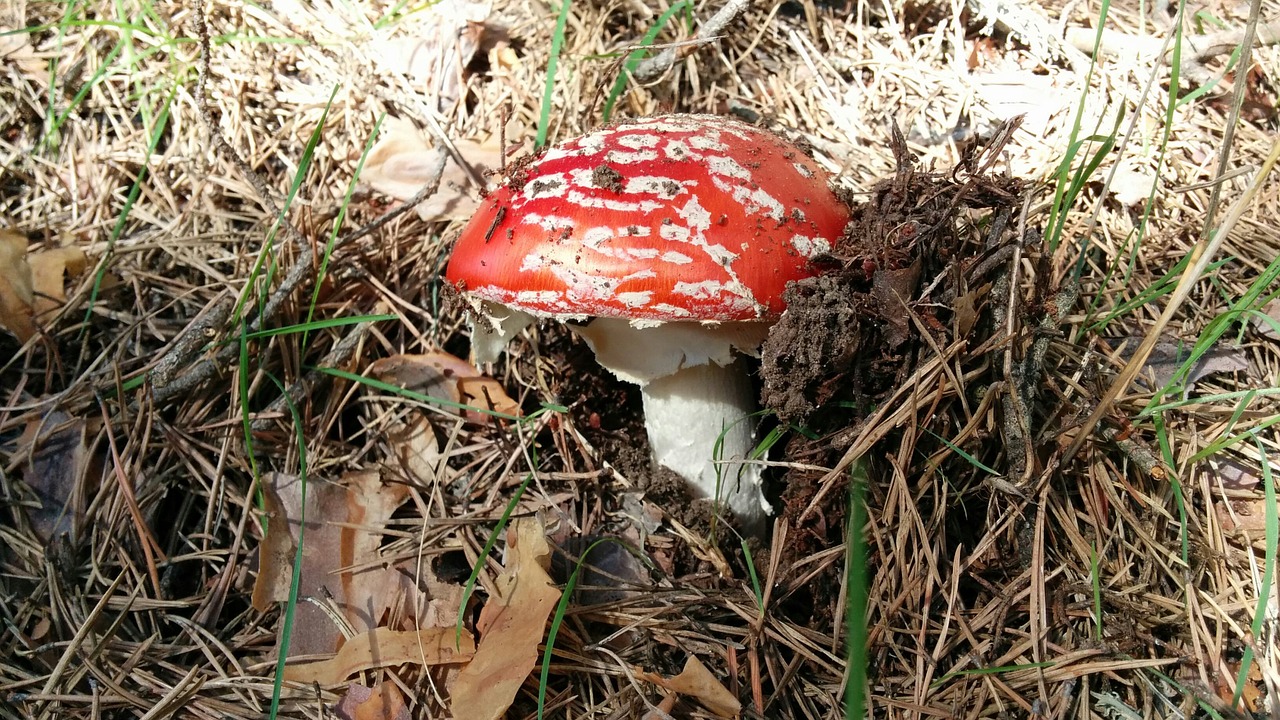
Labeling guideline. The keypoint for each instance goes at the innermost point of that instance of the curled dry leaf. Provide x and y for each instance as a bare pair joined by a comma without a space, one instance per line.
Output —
384,647
344,523
401,162
445,36
32,285
444,376
383,701
697,682
57,468
511,626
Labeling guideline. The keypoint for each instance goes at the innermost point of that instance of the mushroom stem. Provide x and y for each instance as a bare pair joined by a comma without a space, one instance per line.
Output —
686,413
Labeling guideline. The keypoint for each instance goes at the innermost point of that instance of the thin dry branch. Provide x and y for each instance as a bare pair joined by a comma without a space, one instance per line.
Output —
1197,50
163,388
653,67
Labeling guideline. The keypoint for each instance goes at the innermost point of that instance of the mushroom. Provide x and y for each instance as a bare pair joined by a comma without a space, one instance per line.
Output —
666,243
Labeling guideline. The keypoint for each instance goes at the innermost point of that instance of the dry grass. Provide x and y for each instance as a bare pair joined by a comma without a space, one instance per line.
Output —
981,596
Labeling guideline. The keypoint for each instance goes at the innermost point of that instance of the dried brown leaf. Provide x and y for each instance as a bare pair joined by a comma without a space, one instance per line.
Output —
511,626
384,647
1234,475
401,163
893,289
49,270
384,701
15,44
504,59
32,285
697,682
966,310
447,377
58,465
343,530
1242,515
419,453
275,553
1169,355
446,38
16,291
1267,322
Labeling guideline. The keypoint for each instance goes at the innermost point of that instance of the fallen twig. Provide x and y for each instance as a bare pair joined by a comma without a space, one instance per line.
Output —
651,68
164,388
1196,49
339,354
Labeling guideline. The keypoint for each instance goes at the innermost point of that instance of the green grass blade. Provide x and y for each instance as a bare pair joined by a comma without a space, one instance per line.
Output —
1271,534
295,578
1166,453
1058,208
430,399
755,577
967,457
858,581
323,271
634,58
326,323
470,586
557,618
553,61
1095,579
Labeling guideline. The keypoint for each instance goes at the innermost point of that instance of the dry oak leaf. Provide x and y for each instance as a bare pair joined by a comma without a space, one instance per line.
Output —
344,531
384,647
449,378
401,163
32,285
697,682
511,626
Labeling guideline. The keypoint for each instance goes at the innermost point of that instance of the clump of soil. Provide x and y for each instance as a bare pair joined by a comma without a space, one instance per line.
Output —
854,333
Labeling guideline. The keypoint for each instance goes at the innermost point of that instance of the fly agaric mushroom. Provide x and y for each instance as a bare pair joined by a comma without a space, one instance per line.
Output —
666,243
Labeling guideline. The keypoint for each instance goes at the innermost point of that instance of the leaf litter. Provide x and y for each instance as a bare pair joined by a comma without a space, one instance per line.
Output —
32,285
511,626
61,469
980,596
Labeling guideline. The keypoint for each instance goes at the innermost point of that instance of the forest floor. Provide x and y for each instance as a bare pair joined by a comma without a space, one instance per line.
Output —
1023,469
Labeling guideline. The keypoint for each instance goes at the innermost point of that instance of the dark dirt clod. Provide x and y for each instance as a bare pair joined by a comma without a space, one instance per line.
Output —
852,334
606,177
846,333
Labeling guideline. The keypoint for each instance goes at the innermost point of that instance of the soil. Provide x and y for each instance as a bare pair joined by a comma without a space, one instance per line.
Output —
852,333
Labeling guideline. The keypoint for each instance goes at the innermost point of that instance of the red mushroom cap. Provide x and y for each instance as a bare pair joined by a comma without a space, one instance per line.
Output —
676,217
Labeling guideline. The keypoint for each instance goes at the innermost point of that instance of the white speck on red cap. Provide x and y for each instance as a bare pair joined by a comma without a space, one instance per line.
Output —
678,217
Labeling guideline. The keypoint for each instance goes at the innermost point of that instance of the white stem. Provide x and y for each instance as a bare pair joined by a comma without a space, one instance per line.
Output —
685,414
